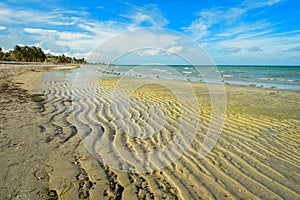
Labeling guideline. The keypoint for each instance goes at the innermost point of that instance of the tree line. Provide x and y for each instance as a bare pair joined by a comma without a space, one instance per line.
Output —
35,54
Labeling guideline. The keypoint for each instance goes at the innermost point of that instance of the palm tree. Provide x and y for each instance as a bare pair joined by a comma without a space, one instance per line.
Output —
1,54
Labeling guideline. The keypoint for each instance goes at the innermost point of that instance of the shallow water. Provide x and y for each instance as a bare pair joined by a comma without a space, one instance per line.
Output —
281,77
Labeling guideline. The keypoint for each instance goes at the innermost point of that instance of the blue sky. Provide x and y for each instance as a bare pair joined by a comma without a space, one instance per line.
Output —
232,32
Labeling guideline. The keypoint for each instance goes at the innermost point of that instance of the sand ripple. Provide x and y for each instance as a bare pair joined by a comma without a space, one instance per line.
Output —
255,158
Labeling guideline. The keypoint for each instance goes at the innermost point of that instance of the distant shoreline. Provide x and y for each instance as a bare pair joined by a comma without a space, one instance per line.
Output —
33,63
217,65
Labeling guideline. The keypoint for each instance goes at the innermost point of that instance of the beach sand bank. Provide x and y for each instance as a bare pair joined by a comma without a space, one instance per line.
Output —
42,129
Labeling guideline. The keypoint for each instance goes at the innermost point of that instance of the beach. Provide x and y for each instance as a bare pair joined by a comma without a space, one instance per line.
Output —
64,136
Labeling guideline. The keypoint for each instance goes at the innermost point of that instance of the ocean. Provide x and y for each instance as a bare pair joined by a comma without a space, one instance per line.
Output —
281,77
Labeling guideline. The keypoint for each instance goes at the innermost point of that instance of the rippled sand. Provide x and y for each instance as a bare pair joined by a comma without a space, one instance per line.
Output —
85,125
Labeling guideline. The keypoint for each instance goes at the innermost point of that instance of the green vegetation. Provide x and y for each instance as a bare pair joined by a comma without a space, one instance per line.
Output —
35,54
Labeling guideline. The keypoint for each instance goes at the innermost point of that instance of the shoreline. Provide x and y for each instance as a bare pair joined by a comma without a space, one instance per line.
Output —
255,157
117,70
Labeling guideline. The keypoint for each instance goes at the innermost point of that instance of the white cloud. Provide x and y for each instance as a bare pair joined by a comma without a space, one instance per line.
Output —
66,41
66,36
20,16
175,49
157,51
251,4
2,28
214,16
149,52
139,18
104,29
199,28
143,41
285,33
49,51
39,31
148,14
245,28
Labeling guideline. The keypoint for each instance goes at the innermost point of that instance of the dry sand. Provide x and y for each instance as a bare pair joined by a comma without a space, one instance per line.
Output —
42,155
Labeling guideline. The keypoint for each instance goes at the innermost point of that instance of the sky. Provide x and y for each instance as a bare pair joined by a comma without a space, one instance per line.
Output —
248,32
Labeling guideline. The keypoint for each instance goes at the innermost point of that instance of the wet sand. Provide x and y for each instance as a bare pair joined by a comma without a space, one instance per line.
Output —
44,153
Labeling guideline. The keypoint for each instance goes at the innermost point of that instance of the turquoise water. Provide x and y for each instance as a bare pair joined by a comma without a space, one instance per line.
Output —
281,77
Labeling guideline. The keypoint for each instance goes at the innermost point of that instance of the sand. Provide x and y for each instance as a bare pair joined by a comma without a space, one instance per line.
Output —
52,132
